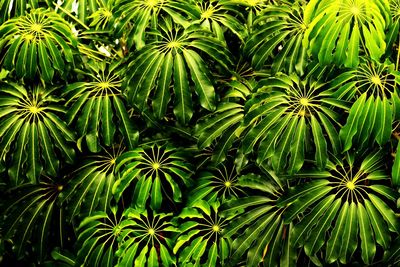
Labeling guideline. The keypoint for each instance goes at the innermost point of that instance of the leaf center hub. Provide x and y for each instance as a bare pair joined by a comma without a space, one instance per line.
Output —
152,3
355,10
207,14
104,85
34,109
173,44
35,27
253,2
350,185
155,165
304,101
376,80
216,228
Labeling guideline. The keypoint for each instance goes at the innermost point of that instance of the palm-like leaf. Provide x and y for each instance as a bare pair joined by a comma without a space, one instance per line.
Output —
11,8
138,16
102,15
284,115
392,36
30,129
32,219
175,59
98,237
96,106
340,28
156,172
218,183
279,27
258,230
90,186
214,15
372,114
351,201
201,241
98,12
38,43
224,125
145,239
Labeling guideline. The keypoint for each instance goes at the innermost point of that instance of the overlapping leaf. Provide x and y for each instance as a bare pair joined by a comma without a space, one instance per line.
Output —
201,241
32,219
97,106
30,130
145,239
216,16
351,201
215,184
279,27
175,60
90,185
370,119
258,232
224,125
157,173
343,30
38,44
288,117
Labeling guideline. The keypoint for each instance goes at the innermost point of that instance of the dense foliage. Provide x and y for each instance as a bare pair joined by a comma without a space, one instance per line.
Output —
200,133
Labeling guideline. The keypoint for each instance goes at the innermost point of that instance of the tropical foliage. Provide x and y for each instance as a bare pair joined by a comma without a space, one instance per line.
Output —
200,133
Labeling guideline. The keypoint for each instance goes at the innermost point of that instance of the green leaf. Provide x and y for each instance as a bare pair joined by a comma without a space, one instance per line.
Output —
349,237
316,238
50,159
350,129
321,153
162,94
299,205
204,87
34,165
382,235
22,57
183,102
142,191
353,48
384,120
125,124
19,157
141,259
368,248
302,229
107,125
153,258
333,246
297,147
386,212
44,62
212,255
156,196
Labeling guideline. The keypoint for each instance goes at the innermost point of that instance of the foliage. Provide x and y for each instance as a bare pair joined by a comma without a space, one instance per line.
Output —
40,42
199,133
96,106
160,172
174,57
354,192
31,129
203,229
258,223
